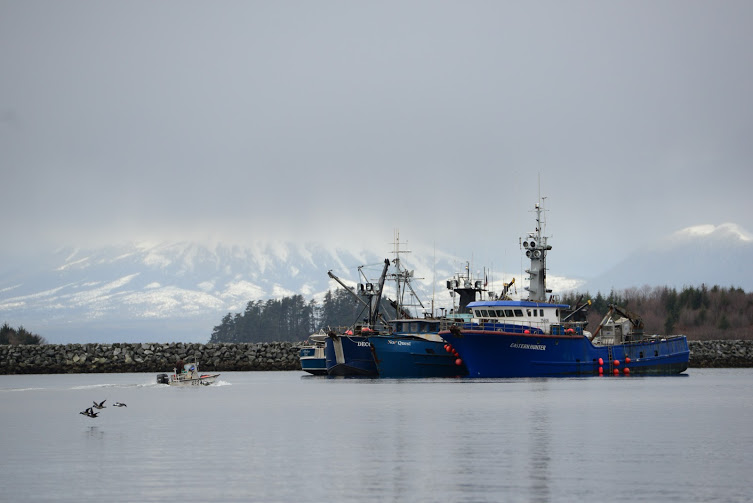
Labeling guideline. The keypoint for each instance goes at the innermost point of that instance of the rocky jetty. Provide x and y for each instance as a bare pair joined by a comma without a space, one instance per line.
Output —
146,357
721,353
153,357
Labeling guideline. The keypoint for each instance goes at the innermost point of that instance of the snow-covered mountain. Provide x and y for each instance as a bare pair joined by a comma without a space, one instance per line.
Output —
180,291
715,255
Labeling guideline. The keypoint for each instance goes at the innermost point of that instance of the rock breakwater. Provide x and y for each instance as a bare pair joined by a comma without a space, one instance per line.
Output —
153,357
146,357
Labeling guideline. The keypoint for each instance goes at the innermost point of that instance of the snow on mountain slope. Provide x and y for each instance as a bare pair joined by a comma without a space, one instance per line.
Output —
74,295
179,291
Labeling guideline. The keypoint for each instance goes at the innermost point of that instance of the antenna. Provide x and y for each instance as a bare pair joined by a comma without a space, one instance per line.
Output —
434,278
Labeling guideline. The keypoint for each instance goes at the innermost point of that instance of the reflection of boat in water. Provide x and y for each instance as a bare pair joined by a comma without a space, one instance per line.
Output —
536,337
188,375
312,354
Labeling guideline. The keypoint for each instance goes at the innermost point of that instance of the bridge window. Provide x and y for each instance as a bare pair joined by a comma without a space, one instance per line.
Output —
500,313
484,313
519,312
509,313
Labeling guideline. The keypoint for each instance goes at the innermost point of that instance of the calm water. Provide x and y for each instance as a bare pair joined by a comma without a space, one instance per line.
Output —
285,436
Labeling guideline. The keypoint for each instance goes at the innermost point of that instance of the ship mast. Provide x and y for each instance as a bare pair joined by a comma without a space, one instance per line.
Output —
536,247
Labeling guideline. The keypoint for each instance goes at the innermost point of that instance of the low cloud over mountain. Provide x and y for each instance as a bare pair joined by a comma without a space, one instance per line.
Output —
715,255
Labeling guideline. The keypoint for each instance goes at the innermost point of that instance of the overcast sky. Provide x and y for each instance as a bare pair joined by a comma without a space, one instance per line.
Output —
339,121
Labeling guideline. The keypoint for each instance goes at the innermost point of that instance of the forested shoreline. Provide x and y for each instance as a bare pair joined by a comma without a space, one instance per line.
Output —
701,313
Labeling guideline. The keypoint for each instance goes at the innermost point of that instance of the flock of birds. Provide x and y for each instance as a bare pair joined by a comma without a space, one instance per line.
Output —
101,405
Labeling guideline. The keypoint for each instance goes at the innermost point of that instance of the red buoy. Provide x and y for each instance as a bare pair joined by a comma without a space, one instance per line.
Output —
526,331
616,372
627,359
626,371
601,361
458,362
601,371
447,347
616,363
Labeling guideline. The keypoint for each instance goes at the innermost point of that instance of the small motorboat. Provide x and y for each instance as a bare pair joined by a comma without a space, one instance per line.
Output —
187,376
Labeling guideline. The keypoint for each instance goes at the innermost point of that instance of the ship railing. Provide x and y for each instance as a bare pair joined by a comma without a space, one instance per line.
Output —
519,326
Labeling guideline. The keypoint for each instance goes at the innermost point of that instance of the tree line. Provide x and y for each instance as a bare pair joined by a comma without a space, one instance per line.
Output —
20,335
291,319
700,313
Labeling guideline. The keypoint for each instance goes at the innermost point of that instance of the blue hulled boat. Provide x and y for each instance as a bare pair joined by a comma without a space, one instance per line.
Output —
414,349
349,353
312,356
538,338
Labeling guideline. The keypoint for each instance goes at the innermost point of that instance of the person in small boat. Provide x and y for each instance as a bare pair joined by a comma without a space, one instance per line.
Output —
179,366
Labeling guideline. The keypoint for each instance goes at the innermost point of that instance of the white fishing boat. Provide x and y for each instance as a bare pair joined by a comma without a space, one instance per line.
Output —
189,375
312,356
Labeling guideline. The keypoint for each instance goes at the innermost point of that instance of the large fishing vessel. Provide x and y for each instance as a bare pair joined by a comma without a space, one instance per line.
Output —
413,347
541,337
348,352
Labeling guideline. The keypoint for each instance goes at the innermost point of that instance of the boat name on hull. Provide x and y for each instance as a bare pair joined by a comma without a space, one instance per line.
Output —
537,347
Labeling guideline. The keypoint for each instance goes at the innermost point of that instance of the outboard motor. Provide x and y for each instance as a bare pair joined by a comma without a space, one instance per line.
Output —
163,379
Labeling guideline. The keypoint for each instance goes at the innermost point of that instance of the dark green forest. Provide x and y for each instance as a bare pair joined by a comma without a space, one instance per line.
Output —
20,335
700,313
290,319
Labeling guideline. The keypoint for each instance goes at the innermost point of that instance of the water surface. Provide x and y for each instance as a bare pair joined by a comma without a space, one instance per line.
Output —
287,436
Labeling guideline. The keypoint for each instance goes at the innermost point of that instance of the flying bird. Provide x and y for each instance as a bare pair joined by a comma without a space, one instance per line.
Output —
100,405
118,404
89,412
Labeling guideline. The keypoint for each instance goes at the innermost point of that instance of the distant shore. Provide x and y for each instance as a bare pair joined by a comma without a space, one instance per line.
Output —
161,357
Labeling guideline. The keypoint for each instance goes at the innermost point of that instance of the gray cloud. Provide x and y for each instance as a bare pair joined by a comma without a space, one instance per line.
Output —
341,121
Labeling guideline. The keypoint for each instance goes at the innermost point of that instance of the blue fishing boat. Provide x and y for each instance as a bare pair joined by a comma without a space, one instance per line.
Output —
348,353
414,349
311,355
539,337
412,346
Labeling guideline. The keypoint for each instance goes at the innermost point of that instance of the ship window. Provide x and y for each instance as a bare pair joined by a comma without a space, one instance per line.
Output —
414,327
484,313
535,312
509,313
528,312
501,313
519,312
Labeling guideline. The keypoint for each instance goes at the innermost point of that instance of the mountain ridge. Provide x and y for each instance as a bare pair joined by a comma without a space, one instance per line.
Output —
168,291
